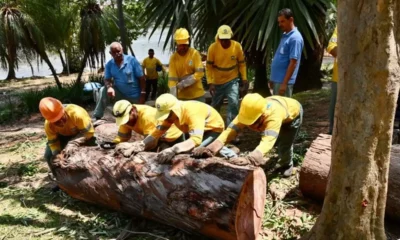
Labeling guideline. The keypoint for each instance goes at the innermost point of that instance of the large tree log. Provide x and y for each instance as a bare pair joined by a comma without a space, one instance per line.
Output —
315,171
211,197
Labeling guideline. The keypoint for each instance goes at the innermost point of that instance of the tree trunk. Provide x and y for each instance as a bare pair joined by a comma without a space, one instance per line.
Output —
52,69
11,71
65,70
211,197
122,29
130,48
261,79
315,172
354,204
85,58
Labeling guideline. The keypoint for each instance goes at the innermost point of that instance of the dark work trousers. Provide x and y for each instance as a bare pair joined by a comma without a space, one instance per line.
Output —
151,86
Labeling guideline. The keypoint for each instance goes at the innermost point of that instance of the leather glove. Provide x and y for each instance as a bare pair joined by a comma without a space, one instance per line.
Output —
129,148
254,158
202,152
166,155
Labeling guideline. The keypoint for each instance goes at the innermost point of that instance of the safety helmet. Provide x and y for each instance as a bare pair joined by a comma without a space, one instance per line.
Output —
51,109
252,107
121,111
182,36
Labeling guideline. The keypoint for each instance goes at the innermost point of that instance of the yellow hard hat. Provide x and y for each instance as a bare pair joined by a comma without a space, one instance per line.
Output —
252,107
166,103
121,111
224,32
182,36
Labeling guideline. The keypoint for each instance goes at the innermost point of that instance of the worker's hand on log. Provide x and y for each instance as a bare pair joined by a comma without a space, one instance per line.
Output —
129,148
202,152
73,145
166,155
241,161
254,158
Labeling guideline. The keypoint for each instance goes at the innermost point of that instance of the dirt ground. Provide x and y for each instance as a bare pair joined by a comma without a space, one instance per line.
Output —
30,210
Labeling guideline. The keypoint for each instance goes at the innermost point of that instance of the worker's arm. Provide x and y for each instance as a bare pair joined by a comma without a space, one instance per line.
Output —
172,76
270,134
231,131
162,66
209,65
332,46
52,140
289,71
198,74
124,134
159,131
84,124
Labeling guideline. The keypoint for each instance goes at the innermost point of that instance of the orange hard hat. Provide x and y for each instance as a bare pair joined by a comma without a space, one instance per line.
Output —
51,109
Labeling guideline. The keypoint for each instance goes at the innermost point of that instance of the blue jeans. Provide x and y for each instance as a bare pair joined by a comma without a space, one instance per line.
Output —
104,99
332,106
231,91
289,89
287,135
209,137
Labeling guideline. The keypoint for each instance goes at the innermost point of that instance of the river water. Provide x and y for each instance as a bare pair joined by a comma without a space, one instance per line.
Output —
139,46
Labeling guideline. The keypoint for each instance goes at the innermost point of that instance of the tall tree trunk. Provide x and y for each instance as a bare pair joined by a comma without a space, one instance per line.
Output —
85,58
354,204
64,64
122,29
130,48
52,69
261,79
309,76
11,70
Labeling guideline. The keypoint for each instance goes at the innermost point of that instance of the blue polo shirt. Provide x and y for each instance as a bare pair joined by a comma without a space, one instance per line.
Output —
290,47
126,77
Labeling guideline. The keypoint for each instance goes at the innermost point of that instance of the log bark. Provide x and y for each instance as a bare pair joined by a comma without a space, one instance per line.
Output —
314,174
211,197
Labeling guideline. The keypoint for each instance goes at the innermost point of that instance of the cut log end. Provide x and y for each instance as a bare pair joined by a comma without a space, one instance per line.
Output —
250,208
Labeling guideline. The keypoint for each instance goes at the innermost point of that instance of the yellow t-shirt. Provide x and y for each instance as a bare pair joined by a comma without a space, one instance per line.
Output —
181,66
332,44
78,121
149,65
195,118
278,111
145,125
224,65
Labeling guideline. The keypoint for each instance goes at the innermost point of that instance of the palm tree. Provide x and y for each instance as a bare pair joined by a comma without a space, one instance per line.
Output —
255,25
20,35
97,28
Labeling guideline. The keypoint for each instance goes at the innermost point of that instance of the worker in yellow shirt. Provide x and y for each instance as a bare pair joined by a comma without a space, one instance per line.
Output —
332,49
185,70
273,117
151,67
201,121
226,68
139,118
63,123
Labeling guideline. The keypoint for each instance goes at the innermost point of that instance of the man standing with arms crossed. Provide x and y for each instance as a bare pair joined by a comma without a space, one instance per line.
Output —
128,80
225,60
286,61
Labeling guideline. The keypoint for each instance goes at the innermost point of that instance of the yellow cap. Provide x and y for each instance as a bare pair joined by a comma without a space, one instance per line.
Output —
182,36
166,103
252,107
121,111
224,32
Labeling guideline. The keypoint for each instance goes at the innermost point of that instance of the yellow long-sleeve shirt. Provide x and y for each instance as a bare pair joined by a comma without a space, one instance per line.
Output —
332,44
224,65
78,121
181,66
145,125
278,111
150,65
194,118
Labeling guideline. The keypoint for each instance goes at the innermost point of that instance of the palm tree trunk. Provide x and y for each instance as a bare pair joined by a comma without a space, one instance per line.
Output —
52,69
122,28
11,72
62,61
85,58
130,48
261,78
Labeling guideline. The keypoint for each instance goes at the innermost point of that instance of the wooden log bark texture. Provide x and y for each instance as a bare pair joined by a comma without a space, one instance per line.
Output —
211,196
315,171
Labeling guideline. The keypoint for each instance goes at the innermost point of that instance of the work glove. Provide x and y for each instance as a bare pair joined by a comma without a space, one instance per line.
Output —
166,155
202,152
129,148
254,158
186,82
73,145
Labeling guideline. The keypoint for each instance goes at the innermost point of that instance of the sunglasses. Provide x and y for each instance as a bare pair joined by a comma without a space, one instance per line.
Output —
118,114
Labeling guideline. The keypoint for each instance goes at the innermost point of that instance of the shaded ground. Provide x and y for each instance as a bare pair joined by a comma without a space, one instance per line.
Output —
30,210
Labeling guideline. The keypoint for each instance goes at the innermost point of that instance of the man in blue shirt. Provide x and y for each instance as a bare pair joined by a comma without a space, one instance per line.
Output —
286,61
128,80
